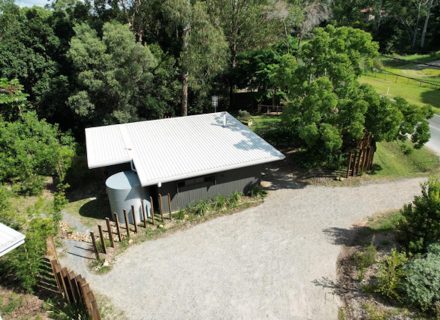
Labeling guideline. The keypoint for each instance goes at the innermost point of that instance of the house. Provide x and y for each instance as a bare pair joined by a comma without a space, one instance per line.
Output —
9,239
190,158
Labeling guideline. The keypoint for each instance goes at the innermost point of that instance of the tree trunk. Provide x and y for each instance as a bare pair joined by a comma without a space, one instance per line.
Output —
185,75
425,26
184,107
233,65
416,28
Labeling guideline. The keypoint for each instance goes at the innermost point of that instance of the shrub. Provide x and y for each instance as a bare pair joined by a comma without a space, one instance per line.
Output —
421,284
234,199
24,263
390,274
420,225
219,203
244,115
200,208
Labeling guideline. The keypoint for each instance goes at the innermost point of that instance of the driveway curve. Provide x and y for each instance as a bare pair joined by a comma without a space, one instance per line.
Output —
261,263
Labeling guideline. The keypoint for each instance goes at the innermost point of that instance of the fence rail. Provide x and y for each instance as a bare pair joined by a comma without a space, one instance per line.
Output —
71,286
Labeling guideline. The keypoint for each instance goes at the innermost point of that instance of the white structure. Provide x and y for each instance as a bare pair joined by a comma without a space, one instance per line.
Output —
178,148
9,239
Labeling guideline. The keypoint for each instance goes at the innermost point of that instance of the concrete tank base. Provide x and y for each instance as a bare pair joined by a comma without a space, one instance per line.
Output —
124,190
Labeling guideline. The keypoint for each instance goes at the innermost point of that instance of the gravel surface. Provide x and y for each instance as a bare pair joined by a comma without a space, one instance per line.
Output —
267,262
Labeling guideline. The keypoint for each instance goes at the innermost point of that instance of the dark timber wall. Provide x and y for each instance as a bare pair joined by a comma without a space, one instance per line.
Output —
188,191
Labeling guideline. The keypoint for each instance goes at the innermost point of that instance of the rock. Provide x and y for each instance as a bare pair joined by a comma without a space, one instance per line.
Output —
130,241
265,184
106,263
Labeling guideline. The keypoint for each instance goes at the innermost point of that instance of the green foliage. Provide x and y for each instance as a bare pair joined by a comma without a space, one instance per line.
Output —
12,99
31,149
421,284
390,275
365,258
420,226
234,200
24,263
244,115
116,76
30,52
329,111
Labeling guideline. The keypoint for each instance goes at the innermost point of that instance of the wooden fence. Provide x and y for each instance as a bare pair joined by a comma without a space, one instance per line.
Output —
361,159
72,287
117,231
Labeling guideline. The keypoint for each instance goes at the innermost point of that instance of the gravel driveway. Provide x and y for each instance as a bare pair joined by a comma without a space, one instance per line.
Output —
261,263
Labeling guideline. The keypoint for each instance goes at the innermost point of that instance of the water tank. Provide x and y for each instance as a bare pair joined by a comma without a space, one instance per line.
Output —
125,190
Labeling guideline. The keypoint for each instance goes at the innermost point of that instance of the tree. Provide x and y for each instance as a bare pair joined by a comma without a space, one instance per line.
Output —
115,76
203,49
12,99
28,48
420,226
330,111
31,149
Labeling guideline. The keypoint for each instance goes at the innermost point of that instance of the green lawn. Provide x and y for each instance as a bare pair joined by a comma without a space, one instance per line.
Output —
391,161
414,91
264,122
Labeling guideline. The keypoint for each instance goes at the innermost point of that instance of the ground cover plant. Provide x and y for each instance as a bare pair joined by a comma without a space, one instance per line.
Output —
403,278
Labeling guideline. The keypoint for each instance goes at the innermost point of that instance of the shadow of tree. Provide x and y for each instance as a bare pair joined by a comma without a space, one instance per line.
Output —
431,97
355,236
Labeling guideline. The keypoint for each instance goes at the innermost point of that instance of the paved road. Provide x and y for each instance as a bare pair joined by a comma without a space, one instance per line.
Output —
434,142
261,263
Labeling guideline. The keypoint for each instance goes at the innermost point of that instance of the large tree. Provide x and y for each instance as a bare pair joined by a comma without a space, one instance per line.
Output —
117,78
329,111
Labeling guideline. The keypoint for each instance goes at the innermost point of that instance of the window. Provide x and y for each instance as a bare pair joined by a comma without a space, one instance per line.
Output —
196,182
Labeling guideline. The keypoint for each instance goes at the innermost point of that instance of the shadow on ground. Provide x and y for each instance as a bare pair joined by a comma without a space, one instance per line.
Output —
431,97
97,208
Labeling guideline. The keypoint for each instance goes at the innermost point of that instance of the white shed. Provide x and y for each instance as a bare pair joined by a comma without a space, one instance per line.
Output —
9,239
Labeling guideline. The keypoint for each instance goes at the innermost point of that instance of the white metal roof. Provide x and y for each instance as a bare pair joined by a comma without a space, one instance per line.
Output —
177,148
9,239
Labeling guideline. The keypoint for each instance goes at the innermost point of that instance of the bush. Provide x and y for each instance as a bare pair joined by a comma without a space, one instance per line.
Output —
244,115
390,274
421,284
31,149
24,263
420,226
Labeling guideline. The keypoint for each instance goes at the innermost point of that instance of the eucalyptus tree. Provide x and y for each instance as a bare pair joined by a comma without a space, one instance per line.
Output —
202,46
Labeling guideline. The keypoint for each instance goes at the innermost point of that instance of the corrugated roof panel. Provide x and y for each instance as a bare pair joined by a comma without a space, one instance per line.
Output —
177,148
9,239
106,146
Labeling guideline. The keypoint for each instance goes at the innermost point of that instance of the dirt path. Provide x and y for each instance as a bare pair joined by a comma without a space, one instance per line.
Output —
262,263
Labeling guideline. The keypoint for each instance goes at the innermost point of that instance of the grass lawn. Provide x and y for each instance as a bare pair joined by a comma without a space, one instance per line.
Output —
394,86
264,122
391,161
414,91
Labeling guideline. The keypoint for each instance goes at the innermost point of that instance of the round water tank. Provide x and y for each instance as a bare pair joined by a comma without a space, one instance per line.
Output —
125,190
